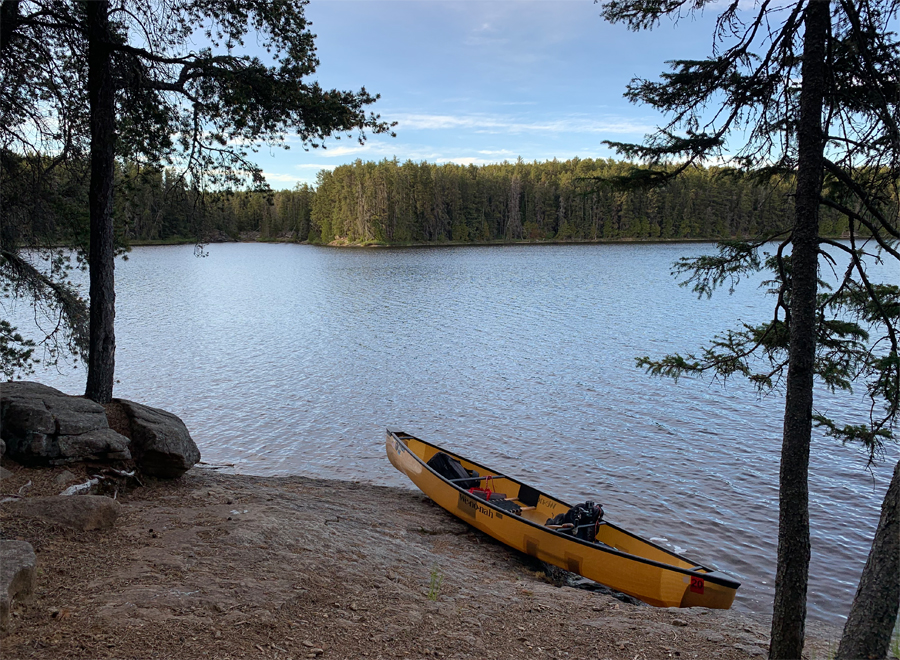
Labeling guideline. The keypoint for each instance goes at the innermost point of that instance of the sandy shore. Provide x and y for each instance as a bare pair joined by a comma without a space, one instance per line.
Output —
225,566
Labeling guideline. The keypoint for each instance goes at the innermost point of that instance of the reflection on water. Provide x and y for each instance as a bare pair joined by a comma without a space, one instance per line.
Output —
288,359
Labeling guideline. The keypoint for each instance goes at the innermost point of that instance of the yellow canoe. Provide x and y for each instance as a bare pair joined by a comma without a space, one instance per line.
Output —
619,559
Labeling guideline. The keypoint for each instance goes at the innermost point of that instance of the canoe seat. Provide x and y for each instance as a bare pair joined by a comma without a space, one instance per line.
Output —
497,499
528,495
508,505
452,470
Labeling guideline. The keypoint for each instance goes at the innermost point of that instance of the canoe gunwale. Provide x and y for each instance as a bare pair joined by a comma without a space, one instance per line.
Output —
712,575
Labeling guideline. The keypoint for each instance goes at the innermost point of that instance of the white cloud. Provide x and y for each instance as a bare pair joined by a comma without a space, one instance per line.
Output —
501,124
369,148
281,177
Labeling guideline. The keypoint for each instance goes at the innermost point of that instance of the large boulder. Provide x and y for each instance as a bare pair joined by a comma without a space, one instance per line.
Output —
160,442
82,513
17,562
42,426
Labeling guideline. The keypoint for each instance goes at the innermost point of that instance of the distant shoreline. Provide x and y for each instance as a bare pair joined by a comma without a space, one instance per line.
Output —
250,238
380,244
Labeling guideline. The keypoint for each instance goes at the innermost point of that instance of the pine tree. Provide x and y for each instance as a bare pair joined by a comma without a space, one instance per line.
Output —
810,89
152,96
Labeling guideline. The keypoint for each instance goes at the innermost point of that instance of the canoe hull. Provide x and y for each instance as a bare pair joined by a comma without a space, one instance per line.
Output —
655,575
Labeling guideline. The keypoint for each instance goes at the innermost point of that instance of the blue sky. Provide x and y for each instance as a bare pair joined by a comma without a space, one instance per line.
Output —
482,82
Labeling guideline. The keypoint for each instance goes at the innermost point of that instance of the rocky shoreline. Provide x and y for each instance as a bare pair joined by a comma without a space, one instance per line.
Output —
232,566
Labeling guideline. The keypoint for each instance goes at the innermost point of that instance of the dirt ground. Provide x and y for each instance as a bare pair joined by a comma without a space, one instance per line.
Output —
226,566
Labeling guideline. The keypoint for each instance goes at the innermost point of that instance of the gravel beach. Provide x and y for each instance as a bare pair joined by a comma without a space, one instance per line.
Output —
230,566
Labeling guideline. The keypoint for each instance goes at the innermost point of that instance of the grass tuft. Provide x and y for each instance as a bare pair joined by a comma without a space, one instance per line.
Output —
437,579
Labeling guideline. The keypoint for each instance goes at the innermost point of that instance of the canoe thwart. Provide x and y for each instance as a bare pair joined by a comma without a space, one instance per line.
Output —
477,478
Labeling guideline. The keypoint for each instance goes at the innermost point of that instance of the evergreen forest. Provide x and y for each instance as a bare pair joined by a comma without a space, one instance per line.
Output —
573,200
389,202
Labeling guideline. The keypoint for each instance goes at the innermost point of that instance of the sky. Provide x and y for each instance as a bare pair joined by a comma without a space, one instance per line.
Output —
472,81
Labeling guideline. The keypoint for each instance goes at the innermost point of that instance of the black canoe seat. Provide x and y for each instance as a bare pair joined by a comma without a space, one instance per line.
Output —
499,500
452,470
528,495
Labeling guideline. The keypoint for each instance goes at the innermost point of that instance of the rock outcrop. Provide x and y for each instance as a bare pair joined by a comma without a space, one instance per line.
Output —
160,442
79,512
17,562
43,426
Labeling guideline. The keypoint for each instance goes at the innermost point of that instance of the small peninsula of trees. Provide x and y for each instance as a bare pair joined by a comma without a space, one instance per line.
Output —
411,202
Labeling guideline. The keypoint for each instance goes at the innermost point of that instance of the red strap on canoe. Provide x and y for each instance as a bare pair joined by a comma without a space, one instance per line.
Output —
484,493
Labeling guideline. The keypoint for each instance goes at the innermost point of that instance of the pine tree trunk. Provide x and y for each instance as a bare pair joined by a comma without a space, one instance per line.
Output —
867,633
9,20
789,615
101,95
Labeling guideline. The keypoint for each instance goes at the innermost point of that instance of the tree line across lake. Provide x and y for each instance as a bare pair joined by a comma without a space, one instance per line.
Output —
404,203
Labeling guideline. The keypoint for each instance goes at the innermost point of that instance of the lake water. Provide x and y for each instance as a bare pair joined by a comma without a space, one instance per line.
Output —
293,359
